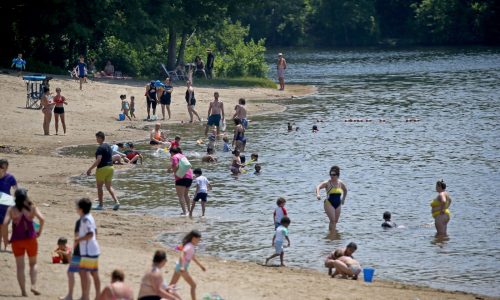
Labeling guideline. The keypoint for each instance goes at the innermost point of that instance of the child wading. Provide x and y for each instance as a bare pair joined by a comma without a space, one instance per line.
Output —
181,268
202,188
279,236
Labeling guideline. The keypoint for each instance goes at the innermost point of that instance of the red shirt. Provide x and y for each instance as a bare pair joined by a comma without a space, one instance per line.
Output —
132,154
59,99
174,143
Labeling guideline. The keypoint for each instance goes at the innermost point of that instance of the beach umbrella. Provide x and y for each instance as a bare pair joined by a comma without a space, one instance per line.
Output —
6,199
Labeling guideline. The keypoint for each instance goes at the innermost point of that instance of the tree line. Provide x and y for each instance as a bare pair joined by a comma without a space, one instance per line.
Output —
139,34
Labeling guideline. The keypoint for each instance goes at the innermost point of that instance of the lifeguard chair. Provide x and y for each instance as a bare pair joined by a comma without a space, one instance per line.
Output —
34,89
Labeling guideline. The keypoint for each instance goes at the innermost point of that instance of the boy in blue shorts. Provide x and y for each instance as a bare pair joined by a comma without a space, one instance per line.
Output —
89,248
202,188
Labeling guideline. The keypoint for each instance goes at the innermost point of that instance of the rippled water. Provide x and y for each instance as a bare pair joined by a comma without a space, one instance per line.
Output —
386,166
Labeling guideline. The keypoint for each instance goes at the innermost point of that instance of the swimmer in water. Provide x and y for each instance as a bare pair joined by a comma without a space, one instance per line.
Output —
157,137
236,165
387,221
315,129
209,157
257,169
290,128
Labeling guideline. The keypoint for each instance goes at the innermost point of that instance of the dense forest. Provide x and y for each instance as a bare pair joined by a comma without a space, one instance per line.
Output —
138,34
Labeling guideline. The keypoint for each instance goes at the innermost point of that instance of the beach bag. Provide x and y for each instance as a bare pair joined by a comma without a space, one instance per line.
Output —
184,166
222,124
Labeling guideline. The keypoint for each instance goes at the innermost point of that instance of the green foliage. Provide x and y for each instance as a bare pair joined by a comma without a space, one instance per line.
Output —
237,81
233,56
35,66
122,55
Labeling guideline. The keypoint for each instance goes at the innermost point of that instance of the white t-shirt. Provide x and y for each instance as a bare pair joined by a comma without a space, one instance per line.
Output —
88,247
279,213
202,183
281,232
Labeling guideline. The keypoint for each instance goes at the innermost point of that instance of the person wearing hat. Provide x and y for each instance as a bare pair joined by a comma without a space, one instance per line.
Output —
281,71
210,63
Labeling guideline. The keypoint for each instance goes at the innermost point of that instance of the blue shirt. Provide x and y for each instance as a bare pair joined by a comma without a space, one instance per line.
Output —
81,68
19,63
6,183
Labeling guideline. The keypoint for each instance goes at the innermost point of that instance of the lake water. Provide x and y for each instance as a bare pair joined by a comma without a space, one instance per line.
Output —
386,166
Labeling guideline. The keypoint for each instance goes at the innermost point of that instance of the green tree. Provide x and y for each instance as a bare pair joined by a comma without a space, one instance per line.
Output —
344,22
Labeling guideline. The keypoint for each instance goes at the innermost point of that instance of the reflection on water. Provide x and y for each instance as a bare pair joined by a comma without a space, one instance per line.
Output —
386,166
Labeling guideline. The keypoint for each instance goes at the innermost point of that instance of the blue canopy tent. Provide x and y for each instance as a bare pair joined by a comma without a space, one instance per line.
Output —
34,89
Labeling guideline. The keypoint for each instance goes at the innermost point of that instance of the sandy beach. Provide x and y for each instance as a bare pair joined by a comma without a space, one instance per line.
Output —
129,240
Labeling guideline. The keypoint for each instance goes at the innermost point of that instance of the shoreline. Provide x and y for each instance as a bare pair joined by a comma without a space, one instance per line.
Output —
128,240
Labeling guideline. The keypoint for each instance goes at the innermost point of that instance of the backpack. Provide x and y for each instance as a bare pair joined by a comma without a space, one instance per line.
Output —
184,166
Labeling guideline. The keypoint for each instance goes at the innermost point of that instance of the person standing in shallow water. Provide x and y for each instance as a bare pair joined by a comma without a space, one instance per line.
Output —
440,211
281,66
104,172
336,192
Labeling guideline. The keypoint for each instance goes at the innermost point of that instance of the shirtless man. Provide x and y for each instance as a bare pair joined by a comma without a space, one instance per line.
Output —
281,71
241,112
215,114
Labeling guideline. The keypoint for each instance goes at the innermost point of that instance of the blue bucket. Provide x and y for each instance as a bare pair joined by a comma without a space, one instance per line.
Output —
121,117
368,274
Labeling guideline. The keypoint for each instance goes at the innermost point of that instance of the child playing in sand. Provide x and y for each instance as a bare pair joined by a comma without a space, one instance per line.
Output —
227,146
279,212
125,106
62,250
19,63
279,236
202,188
191,240
387,221
89,248
347,267
132,107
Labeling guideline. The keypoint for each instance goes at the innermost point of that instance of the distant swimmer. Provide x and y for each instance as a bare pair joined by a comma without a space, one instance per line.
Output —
387,221
315,129
412,120
289,127
336,192
440,211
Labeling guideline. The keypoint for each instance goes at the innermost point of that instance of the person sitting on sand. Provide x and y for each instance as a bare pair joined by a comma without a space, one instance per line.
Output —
387,221
109,69
133,155
152,286
157,137
209,157
117,289
63,251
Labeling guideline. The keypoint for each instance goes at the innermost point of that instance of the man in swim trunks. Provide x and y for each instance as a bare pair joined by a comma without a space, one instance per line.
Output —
281,66
104,172
215,113
241,112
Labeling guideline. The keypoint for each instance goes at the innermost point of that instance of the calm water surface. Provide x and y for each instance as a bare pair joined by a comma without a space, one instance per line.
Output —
386,166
